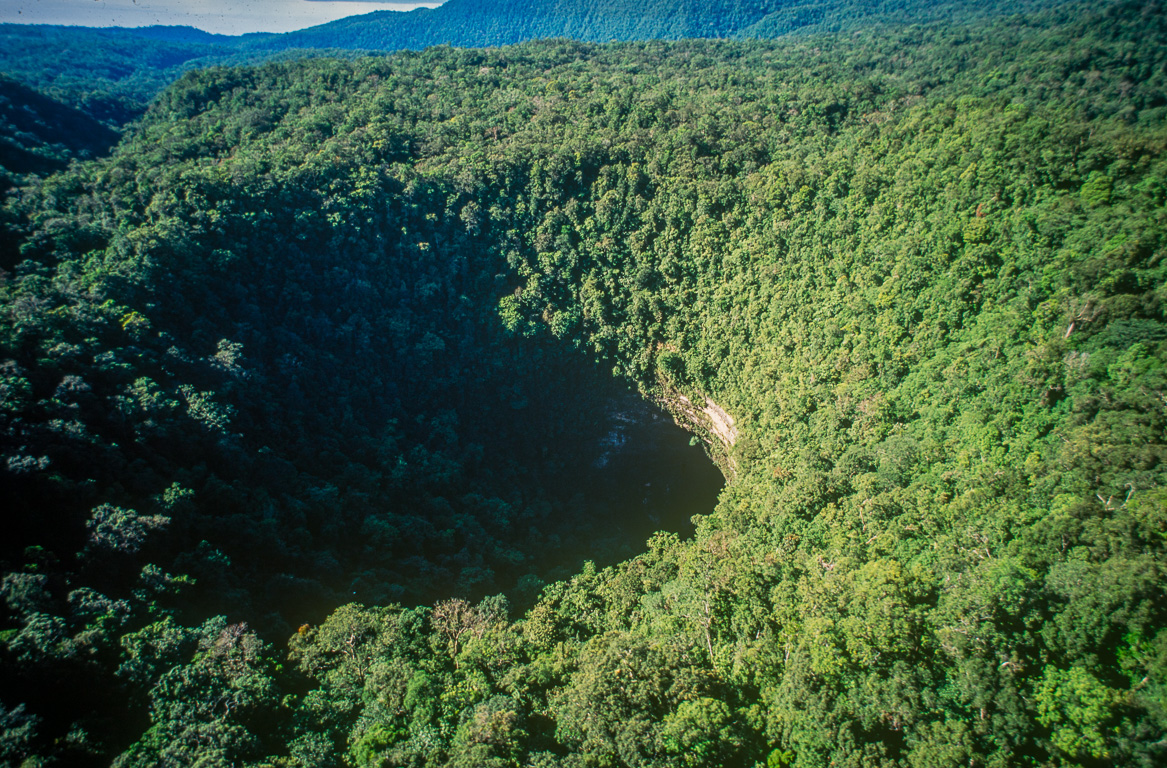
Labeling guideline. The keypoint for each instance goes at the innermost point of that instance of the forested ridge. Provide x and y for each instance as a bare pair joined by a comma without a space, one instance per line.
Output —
502,22
321,327
112,73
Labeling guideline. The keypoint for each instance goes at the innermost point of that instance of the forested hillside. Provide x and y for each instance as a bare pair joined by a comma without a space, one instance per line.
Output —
322,350
112,74
502,22
40,135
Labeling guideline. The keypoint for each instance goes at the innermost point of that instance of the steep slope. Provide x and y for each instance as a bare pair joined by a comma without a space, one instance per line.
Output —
40,135
908,285
501,22
784,18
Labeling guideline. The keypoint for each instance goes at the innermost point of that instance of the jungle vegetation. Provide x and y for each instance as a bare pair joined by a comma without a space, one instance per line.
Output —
336,326
39,135
113,73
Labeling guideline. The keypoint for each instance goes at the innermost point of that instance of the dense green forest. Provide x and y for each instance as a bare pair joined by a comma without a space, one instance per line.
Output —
111,74
337,350
39,135
502,22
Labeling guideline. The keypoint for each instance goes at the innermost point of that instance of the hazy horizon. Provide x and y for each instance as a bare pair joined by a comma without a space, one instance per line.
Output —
224,17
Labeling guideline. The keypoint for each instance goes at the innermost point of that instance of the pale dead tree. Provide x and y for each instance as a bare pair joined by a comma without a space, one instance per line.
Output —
456,618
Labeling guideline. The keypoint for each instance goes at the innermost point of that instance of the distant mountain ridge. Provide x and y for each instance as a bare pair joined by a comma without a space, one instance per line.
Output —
112,73
181,34
477,23
501,22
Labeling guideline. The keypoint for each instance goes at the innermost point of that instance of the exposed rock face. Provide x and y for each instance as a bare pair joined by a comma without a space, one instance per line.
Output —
722,423
711,423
